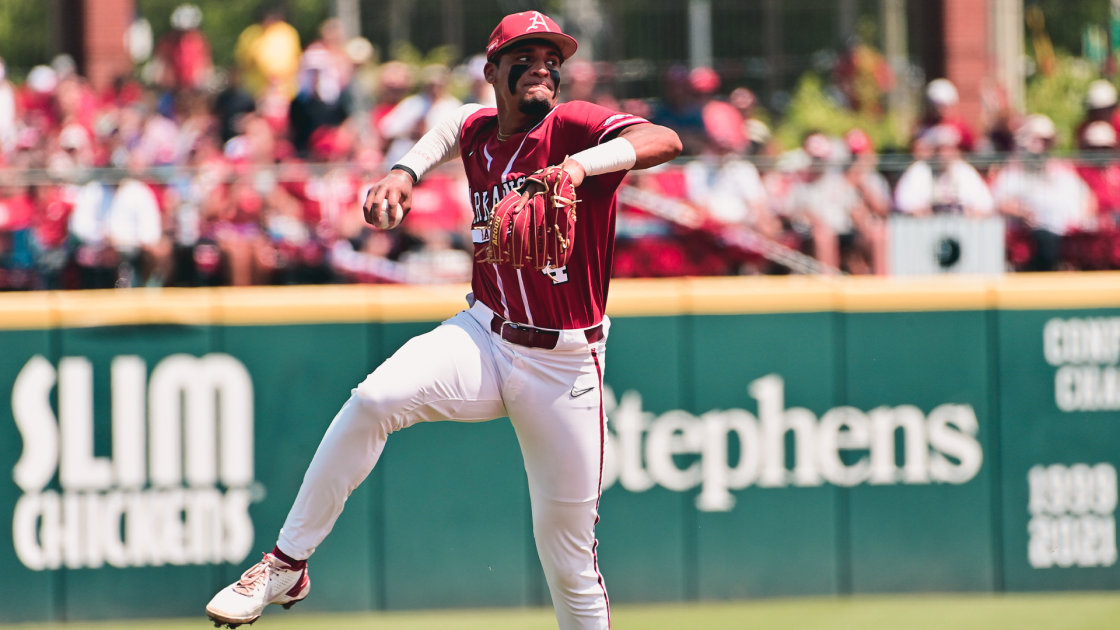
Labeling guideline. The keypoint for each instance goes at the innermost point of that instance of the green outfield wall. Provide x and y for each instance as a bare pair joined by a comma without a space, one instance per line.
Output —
769,437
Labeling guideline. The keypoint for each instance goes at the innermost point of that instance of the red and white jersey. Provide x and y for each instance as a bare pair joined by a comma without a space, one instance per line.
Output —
573,296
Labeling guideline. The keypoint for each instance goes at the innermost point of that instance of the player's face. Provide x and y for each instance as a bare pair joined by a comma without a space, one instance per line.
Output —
527,78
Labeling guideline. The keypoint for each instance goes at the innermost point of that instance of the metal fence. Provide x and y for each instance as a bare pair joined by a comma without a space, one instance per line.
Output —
762,44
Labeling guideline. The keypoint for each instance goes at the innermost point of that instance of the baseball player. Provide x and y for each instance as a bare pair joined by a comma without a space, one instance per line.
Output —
531,345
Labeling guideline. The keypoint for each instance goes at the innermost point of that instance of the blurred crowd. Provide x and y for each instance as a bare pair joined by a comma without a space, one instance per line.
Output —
191,175
832,197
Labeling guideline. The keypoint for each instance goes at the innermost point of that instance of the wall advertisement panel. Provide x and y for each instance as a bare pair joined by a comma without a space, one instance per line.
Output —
768,437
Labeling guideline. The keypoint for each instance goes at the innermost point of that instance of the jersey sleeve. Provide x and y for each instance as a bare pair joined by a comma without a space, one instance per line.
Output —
585,125
469,130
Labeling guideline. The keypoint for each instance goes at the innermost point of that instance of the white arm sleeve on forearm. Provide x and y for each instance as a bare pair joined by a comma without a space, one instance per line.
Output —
440,144
616,155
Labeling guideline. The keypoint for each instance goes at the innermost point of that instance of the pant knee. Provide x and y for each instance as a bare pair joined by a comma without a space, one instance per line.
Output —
380,407
572,581
567,550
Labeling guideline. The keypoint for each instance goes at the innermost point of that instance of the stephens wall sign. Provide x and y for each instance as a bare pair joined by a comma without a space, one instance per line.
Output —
938,448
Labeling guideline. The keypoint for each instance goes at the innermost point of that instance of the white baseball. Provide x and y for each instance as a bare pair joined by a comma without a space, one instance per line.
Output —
390,220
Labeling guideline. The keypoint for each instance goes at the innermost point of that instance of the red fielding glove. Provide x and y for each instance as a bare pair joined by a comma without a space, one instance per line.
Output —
542,232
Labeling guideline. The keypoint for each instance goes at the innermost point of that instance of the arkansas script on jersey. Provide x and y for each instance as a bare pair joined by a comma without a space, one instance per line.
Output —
573,296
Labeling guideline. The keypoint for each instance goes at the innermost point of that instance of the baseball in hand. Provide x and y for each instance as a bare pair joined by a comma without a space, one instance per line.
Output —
390,219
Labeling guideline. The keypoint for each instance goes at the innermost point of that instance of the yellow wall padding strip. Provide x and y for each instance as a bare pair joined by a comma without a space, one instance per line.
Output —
628,298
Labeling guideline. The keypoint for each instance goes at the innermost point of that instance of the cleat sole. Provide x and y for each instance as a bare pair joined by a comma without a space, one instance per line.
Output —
232,625
289,605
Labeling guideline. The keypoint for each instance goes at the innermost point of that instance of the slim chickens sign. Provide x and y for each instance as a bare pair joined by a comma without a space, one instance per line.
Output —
176,489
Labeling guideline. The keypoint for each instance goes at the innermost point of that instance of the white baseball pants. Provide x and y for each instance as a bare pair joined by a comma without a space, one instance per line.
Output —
463,371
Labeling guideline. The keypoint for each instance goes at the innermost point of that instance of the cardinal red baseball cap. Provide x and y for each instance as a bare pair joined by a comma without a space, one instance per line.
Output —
859,142
529,25
704,80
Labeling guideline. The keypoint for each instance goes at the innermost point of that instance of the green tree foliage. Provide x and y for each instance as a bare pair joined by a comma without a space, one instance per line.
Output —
25,26
1066,20
811,109
1061,95
24,34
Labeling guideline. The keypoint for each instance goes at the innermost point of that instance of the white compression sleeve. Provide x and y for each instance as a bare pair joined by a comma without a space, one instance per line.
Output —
616,155
440,144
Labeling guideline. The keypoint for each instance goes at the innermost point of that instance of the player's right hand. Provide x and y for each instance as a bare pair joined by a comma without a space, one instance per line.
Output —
389,201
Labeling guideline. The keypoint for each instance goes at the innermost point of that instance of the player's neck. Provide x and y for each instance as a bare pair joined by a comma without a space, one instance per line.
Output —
513,121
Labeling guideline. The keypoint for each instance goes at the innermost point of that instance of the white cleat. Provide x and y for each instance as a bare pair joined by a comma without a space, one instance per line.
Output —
270,581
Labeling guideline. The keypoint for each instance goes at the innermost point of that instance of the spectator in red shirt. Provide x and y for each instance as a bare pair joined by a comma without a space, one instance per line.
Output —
36,98
1100,169
941,110
75,102
49,228
723,123
16,250
875,192
260,210
1100,106
756,131
183,54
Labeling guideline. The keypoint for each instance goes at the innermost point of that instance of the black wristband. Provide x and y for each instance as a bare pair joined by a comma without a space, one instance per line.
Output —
411,173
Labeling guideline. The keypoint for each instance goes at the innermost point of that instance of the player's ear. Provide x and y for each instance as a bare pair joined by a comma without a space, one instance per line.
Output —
490,72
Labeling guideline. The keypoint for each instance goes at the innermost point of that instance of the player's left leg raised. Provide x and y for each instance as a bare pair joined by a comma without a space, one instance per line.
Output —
446,373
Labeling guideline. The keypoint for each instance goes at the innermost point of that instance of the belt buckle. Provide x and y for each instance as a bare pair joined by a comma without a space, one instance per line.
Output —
502,333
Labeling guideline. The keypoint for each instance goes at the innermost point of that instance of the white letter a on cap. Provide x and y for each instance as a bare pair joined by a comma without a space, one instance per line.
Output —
537,22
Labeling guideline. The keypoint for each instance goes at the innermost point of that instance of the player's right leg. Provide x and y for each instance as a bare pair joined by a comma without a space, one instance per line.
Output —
560,423
448,373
